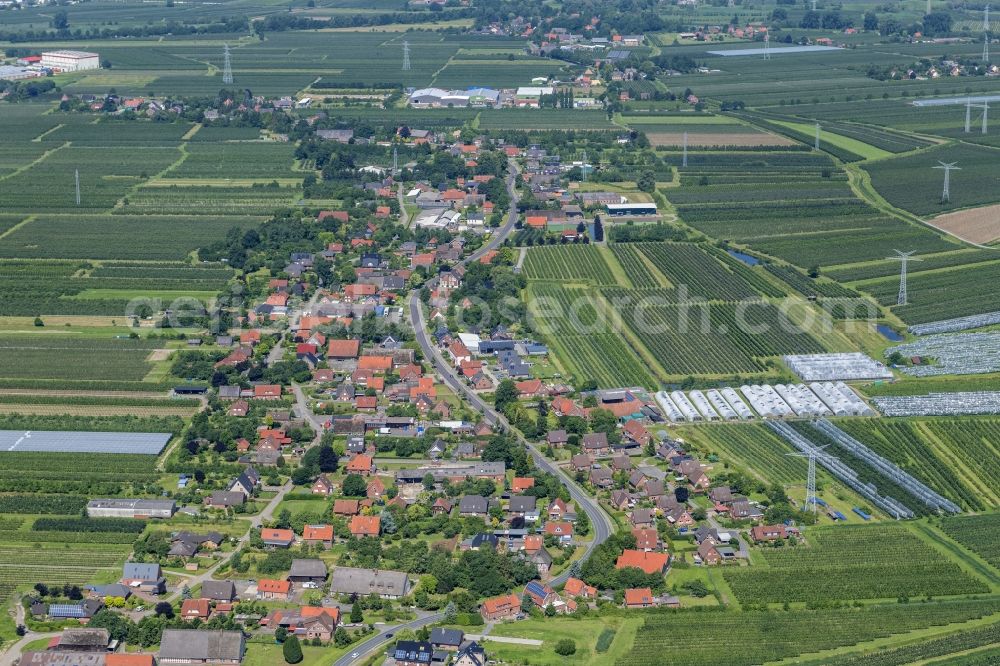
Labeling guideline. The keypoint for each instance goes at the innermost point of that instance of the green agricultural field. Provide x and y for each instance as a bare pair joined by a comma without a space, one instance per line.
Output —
980,534
856,146
59,356
106,176
706,273
569,263
794,206
751,446
890,268
163,197
150,237
67,479
755,637
955,457
709,338
544,119
574,323
910,182
850,562
936,295
259,160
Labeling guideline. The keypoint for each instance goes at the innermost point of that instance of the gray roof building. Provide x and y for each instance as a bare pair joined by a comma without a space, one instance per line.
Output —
218,590
389,584
307,570
191,646
473,504
141,571
523,503
448,638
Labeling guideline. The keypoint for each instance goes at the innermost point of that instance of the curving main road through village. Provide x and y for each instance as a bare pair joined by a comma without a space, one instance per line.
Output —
601,524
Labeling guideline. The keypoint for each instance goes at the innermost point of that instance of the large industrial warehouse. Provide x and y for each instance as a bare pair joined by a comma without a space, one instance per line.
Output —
70,61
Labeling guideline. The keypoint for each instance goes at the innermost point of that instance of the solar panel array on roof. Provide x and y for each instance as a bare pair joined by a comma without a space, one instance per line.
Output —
74,441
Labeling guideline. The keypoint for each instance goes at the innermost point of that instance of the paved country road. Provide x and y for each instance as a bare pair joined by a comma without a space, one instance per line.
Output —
599,520
365,648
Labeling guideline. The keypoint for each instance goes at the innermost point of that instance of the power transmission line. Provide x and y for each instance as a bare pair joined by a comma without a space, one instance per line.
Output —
227,65
945,193
903,258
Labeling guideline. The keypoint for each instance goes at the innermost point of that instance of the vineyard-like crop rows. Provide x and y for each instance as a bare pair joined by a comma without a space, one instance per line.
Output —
918,652
135,237
911,183
954,457
756,637
792,206
195,200
752,446
582,340
568,263
59,357
849,562
639,273
237,160
808,286
980,534
709,338
106,175
889,268
67,479
942,294
706,273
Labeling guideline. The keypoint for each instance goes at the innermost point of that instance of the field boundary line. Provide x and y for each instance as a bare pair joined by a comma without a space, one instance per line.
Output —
39,159
969,478
966,560
905,639
657,371
861,183
30,218
38,139
191,132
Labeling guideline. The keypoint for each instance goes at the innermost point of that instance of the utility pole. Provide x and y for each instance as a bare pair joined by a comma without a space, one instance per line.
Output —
77,177
684,158
406,56
227,65
945,193
903,258
817,137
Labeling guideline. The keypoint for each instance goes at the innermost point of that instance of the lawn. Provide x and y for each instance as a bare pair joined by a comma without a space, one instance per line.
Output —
268,654
551,630
861,148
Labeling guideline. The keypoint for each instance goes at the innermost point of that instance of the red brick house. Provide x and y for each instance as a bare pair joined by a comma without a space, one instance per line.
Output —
503,607
650,563
322,534
276,590
639,597
362,526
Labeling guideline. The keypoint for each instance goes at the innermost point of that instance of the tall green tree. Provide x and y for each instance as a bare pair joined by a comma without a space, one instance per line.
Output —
291,650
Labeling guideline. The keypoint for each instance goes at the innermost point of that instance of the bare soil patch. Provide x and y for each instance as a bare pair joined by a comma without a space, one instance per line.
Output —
976,225
718,139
